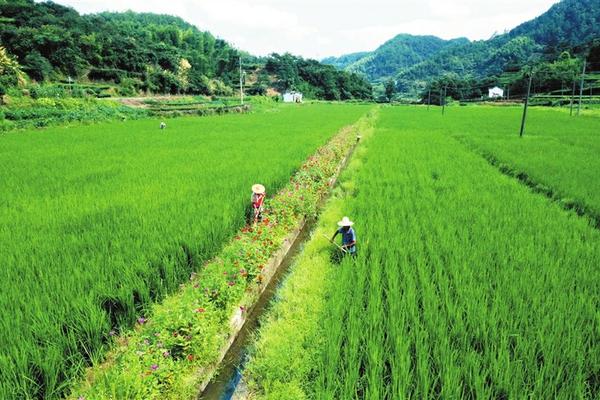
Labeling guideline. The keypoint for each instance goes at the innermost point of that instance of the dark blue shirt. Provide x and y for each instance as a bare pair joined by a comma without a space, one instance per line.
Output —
348,237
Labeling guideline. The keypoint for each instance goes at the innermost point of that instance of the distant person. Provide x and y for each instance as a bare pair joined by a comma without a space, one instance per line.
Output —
163,125
258,198
348,236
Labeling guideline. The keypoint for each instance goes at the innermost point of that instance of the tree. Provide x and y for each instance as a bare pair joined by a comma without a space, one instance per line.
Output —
10,70
183,73
390,89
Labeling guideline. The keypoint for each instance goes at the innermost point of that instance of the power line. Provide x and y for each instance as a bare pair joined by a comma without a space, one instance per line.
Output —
581,88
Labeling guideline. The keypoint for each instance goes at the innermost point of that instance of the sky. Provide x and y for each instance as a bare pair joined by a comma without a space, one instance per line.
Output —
322,28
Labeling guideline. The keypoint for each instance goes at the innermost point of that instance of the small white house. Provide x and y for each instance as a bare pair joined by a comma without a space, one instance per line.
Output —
292,97
495,93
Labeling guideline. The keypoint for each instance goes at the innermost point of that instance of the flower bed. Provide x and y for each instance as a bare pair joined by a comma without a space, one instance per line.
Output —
169,354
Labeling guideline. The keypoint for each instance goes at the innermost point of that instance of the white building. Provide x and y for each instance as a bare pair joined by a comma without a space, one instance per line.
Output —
292,97
495,93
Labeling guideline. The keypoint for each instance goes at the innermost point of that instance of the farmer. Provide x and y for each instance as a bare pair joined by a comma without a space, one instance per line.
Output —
348,236
163,125
258,198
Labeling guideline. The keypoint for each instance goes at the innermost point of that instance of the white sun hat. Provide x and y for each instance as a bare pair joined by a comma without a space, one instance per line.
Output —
258,188
345,222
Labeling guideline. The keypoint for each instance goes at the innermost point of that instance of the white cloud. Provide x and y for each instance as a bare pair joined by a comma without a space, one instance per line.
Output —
319,28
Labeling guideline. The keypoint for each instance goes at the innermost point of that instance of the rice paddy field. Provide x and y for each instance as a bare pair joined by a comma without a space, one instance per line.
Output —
557,152
468,283
478,272
99,221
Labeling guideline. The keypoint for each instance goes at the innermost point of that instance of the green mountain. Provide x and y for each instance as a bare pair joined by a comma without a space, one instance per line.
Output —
142,52
566,25
345,60
396,54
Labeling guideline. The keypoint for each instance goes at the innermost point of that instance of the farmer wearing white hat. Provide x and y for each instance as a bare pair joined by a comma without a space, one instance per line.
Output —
258,198
348,236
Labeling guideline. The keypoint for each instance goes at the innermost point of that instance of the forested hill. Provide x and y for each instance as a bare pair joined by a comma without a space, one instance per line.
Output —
567,25
396,54
150,53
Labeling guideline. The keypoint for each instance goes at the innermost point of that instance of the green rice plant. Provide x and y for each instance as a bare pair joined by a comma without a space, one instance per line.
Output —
97,222
170,354
467,285
557,151
495,288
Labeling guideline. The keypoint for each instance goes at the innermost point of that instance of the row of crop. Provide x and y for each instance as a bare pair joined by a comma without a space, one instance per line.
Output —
167,353
557,153
466,285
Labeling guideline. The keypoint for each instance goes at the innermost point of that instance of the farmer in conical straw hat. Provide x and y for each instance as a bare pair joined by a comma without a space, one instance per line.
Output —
258,198
348,236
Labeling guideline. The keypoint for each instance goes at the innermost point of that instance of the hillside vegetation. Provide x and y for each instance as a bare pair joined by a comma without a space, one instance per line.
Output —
399,53
571,25
149,53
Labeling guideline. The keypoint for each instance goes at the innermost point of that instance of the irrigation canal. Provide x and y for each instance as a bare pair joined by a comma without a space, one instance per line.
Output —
224,384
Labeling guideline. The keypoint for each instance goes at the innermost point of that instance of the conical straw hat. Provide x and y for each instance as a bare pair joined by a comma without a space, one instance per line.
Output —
258,188
345,222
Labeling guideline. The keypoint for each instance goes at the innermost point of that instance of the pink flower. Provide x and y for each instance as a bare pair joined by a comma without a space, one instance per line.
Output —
166,354
154,367
231,283
141,320
200,310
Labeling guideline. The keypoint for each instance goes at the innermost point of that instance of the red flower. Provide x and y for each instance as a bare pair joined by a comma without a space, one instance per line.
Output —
190,357
200,310
231,283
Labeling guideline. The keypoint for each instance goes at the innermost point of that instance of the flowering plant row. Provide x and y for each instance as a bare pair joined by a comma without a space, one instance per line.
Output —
170,352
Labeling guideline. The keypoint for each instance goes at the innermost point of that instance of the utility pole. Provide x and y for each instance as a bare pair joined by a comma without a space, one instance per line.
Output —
572,97
526,105
581,87
444,100
241,83
429,98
